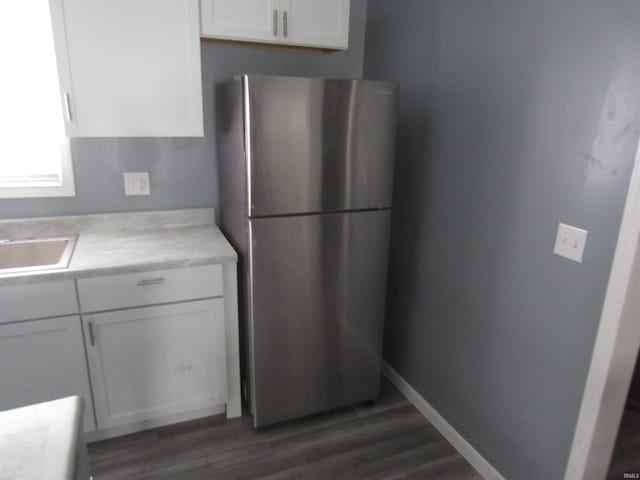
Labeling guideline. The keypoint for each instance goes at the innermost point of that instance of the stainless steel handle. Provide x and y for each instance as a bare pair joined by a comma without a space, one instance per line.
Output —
275,23
92,338
284,24
67,107
151,281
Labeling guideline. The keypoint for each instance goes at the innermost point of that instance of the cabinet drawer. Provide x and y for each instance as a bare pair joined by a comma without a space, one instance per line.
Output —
149,288
39,300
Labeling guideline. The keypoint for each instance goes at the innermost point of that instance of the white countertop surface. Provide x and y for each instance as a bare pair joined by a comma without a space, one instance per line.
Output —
40,441
109,244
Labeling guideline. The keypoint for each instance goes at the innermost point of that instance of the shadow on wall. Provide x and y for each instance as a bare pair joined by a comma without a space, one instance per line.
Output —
384,61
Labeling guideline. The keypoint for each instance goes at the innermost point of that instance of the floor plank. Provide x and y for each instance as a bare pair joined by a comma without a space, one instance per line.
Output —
387,440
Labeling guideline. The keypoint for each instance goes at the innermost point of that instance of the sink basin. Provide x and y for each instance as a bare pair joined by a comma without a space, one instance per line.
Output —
35,254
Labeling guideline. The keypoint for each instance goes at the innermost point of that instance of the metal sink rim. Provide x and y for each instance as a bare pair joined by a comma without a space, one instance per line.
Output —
62,263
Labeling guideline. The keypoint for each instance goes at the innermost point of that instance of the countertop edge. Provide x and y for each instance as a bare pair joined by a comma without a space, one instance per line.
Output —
66,274
207,246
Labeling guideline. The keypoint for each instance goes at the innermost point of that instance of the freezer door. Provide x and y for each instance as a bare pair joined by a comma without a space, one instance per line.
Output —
317,309
318,145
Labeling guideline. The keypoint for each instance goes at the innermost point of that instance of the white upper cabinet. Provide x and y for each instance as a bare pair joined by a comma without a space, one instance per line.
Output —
308,23
316,23
128,68
241,19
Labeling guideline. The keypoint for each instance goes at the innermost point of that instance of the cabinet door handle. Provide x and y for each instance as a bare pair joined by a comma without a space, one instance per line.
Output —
151,281
275,23
92,338
284,24
67,106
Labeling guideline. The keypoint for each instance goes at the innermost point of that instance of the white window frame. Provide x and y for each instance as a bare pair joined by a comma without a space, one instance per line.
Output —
39,187
64,188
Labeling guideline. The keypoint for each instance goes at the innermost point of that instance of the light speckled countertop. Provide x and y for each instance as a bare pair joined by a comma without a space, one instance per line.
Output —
129,242
42,440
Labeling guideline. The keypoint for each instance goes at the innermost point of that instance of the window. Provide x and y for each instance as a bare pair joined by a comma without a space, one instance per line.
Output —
35,157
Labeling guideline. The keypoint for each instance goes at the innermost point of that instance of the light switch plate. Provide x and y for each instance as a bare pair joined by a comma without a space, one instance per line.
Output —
570,242
136,183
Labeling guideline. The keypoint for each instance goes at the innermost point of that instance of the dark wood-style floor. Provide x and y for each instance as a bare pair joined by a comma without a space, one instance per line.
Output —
388,440
626,455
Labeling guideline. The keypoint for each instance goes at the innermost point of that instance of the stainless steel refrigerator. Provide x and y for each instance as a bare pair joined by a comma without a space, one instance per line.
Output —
306,170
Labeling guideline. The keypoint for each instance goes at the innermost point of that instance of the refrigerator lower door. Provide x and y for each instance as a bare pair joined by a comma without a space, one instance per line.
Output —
317,298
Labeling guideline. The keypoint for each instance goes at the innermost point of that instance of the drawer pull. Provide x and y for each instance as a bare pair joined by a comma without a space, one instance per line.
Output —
151,281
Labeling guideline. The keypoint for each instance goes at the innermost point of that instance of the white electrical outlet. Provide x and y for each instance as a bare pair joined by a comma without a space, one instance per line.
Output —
570,242
136,183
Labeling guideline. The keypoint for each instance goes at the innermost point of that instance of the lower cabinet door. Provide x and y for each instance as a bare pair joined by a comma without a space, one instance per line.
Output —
42,360
151,362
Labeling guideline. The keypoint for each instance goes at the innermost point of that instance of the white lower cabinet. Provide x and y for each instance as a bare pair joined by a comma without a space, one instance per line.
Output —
151,362
145,349
42,360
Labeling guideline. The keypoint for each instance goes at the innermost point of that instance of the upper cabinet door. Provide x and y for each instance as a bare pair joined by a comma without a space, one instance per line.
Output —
306,23
315,23
244,20
128,68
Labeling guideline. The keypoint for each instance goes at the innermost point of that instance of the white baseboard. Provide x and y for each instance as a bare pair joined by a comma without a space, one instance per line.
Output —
465,449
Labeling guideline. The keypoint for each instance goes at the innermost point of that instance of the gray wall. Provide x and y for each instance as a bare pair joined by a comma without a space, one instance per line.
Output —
183,171
514,115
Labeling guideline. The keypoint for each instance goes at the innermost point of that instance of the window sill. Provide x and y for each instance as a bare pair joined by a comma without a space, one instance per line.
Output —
62,187
38,191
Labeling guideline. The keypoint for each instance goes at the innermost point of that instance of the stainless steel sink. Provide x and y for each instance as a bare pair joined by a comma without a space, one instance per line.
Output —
32,254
